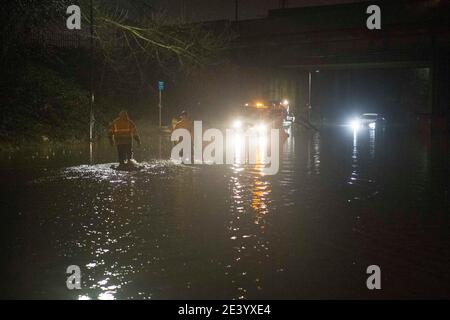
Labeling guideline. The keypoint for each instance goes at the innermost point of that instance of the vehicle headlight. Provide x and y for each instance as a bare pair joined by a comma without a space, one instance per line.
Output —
355,124
237,124
261,127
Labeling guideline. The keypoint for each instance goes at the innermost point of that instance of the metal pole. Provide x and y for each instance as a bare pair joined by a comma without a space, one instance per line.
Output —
92,118
160,106
309,96
183,10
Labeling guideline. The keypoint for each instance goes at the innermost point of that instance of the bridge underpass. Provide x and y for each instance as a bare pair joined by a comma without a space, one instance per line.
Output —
281,51
334,92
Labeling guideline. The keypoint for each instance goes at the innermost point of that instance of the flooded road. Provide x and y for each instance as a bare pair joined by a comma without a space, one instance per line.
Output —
342,201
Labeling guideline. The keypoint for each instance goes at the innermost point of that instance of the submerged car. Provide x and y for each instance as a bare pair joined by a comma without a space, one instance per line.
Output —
368,120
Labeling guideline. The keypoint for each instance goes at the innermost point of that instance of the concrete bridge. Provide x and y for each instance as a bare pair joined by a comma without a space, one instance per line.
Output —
414,34
276,57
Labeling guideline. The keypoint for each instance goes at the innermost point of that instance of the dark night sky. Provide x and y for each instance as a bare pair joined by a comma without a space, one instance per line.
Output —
203,10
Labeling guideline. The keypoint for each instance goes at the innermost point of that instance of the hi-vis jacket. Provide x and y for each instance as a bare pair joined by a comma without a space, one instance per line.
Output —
185,123
123,130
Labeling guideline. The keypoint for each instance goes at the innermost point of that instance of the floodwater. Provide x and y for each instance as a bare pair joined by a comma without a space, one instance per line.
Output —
341,202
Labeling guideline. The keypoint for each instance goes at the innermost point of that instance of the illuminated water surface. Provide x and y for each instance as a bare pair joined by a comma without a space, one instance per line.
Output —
342,201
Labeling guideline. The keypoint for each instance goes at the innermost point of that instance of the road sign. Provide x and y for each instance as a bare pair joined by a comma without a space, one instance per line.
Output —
161,89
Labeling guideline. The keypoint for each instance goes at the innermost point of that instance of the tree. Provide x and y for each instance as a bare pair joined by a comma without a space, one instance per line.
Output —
128,33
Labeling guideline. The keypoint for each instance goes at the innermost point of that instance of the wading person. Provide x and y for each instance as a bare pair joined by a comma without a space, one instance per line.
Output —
185,122
121,133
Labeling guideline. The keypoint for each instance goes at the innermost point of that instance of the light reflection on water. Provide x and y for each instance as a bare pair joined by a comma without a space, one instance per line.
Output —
108,232
250,192
224,232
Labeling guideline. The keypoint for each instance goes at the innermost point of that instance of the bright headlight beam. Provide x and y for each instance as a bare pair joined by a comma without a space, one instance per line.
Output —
355,124
261,127
237,124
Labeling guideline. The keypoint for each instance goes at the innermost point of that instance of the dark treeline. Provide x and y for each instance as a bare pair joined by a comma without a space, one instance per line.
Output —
46,68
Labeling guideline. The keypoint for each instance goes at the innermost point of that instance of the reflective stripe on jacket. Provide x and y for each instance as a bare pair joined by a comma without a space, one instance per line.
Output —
185,123
123,131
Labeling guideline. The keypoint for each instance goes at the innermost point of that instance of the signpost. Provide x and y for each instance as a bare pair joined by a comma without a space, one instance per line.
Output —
161,89
92,114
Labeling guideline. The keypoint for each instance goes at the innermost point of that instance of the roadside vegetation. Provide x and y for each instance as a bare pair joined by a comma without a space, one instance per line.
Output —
45,83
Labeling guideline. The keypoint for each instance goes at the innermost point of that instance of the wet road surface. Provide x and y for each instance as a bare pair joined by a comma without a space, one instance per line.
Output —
341,202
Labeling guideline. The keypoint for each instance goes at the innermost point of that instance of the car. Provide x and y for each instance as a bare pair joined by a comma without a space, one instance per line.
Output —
368,120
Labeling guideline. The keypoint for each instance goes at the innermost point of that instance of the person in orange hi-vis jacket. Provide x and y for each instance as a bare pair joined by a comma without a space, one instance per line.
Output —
185,123
121,133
